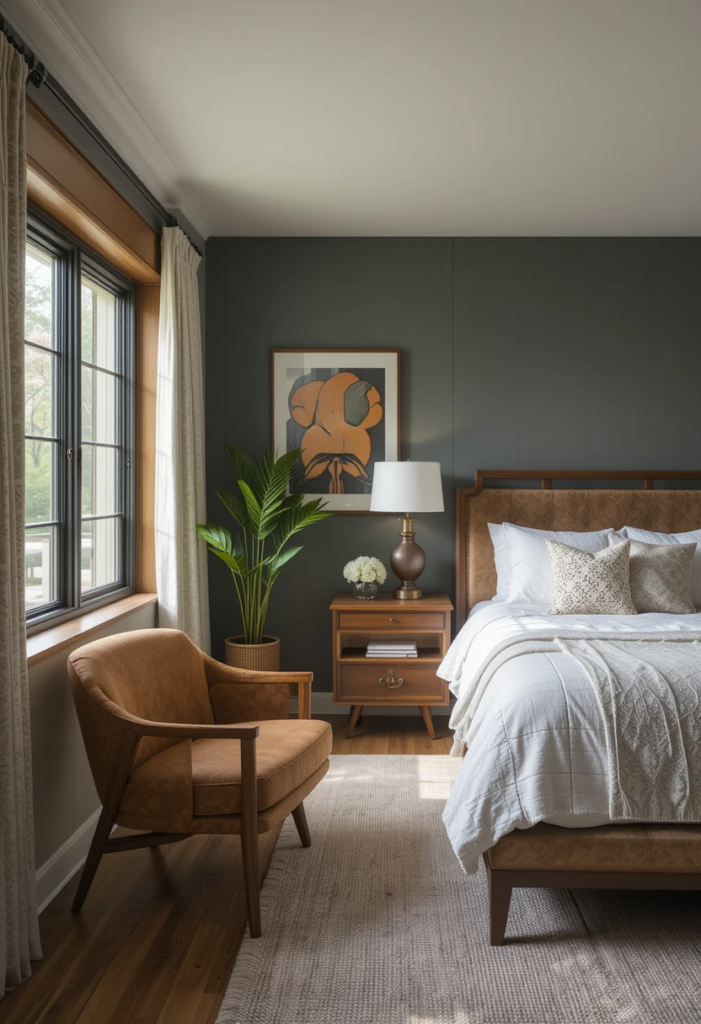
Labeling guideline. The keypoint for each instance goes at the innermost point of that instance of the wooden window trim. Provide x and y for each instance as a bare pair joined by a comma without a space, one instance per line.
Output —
61,181
43,645
65,185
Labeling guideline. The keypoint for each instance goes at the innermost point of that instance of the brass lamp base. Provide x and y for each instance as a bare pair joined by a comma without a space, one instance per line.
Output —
408,562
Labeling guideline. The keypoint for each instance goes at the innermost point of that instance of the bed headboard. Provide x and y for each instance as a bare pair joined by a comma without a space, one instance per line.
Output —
594,507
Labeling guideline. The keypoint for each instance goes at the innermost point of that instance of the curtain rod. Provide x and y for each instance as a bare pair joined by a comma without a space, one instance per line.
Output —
39,76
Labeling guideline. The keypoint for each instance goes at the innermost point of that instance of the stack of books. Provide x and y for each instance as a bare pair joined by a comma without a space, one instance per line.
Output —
391,649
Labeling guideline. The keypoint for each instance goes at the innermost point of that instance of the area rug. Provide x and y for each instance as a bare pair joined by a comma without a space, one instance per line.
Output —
377,924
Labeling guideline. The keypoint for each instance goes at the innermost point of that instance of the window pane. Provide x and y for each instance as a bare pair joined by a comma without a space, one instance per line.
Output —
99,565
100,481
40,566
98,337
99,411
38,297
39,486
38,391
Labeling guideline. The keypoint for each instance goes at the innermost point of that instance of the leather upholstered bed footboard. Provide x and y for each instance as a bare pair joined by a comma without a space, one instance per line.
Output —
607,857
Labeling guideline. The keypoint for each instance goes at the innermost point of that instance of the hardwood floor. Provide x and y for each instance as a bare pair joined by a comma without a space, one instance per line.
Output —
157,938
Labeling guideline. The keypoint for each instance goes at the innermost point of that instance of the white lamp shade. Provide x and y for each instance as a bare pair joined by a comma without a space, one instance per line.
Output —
406,487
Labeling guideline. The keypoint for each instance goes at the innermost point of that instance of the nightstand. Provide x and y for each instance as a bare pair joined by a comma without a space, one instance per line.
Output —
359,681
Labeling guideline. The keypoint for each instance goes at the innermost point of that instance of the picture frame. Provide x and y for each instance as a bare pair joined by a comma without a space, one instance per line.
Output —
342,408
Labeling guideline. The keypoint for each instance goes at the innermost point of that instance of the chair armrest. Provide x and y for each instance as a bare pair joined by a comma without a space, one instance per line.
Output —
216,672
175,730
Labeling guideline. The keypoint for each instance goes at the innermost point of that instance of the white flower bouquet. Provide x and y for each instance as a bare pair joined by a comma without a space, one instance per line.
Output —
365,570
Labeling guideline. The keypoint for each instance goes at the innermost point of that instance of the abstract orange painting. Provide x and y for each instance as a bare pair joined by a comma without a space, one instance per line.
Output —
341,409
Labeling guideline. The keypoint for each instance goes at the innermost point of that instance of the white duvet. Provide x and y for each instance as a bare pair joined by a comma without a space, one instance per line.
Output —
531,722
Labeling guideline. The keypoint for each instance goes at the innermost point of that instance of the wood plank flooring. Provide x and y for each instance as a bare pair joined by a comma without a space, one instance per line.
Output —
159,933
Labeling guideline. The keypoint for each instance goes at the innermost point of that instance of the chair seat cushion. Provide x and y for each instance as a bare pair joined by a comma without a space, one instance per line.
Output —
288,751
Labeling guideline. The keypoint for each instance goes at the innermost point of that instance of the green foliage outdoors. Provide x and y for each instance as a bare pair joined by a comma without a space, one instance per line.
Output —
267,520
39,391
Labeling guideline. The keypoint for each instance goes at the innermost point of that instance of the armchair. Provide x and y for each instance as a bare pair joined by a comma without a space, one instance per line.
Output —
180,744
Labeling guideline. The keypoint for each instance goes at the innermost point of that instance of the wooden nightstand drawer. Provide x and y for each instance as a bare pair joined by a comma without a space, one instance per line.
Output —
358,684
391,620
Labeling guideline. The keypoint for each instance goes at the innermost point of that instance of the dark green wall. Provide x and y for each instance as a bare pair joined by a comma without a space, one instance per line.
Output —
517,353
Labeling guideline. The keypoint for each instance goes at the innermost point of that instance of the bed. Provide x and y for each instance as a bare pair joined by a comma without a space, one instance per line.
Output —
533,797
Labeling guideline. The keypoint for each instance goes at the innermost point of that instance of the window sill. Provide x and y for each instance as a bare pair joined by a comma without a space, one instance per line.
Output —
43,645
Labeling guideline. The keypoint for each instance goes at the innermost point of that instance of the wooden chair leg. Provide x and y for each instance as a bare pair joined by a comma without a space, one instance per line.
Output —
499,903
97,848
300,817
249,835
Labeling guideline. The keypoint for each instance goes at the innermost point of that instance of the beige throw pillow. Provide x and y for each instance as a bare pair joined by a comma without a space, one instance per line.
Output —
660,577
586,583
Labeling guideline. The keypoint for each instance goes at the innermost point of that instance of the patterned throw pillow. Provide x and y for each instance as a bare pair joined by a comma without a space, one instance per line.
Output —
586,583
660,577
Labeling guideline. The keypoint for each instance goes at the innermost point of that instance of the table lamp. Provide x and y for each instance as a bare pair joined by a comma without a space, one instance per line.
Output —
397,486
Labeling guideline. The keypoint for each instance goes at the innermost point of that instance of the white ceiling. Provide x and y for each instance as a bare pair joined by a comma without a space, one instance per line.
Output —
396,117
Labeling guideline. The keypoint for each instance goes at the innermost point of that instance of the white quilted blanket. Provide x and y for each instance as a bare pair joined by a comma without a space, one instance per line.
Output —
557,730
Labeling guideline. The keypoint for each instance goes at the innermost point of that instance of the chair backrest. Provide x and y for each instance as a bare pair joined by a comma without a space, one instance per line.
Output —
156,674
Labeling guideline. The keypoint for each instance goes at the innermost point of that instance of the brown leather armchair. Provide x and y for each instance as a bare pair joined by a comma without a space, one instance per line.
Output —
155,714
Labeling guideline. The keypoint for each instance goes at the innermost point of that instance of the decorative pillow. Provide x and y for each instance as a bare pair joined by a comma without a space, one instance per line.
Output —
586,583
660,577
694,536
501,561
531,575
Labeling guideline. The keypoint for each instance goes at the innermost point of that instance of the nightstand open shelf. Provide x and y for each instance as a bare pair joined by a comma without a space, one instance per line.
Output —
359,681
354,654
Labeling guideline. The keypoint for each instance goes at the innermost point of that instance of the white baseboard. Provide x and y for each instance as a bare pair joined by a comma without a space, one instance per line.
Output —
322,704
58,870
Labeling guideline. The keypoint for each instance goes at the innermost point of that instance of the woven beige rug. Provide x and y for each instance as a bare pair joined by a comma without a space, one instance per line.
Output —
377,924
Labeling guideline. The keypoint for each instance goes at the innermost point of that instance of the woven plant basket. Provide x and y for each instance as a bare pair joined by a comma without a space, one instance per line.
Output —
263,657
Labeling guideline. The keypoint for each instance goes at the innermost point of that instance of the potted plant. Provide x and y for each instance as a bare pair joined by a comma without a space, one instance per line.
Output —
267,520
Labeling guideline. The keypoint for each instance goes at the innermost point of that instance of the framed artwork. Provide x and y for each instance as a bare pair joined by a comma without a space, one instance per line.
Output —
341,408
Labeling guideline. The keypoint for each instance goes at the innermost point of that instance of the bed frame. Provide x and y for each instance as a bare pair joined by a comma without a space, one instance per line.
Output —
548,857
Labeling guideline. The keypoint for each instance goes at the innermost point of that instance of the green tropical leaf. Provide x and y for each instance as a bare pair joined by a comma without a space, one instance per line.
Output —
277,561
253,508
244,466
298,518
235,506
220,544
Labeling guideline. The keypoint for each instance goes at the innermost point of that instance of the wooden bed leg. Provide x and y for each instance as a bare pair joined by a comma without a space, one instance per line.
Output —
499,903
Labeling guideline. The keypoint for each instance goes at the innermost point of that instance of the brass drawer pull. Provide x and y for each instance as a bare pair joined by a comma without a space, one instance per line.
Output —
391,619
390,682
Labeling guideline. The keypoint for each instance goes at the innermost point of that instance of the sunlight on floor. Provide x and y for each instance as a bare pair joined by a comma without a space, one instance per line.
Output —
433,784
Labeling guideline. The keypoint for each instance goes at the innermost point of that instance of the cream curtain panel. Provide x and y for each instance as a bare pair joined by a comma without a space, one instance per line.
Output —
181,557
19,925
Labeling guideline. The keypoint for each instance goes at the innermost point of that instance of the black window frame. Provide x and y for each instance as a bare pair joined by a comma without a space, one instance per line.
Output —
72,261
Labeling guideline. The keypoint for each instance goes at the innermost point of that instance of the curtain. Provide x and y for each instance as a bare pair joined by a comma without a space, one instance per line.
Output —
181,557
19,925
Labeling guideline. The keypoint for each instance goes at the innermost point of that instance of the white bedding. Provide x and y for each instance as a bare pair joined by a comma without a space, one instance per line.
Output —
532,724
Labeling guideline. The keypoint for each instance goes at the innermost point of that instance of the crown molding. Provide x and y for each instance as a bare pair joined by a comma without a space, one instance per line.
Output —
51,32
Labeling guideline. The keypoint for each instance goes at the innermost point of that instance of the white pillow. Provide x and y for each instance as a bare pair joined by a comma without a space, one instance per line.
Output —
650,537
501,561
531,575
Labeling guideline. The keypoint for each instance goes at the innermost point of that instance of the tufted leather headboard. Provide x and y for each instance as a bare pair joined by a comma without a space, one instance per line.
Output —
541,507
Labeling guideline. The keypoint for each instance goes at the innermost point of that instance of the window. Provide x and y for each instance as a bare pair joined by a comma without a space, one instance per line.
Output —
79,428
